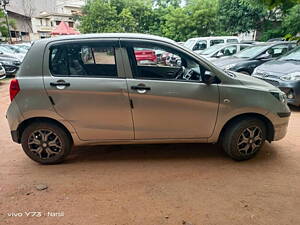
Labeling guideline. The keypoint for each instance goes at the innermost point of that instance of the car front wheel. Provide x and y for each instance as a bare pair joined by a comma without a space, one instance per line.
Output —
244,138
46,143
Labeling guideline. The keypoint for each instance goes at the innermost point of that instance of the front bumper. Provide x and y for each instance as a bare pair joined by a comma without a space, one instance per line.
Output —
280,123
280,130
10,69
288,87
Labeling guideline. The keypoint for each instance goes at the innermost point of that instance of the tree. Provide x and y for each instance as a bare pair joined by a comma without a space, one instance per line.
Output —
127,21
291,21
238,16
197,18
116,16
99,16
3,25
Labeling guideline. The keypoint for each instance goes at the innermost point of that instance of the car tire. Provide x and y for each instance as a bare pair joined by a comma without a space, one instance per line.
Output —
46,143
242,139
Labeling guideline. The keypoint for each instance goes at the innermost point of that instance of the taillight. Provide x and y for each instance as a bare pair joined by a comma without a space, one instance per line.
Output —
14,89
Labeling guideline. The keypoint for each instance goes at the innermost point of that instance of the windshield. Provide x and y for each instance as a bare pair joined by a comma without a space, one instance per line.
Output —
293,55
16,49
190,43
211,50
251,51
5,49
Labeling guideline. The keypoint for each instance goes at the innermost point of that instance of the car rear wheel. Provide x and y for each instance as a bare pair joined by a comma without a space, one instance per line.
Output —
243,139
46,143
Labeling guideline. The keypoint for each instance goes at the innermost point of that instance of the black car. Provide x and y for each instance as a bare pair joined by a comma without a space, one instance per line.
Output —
247,60
283,73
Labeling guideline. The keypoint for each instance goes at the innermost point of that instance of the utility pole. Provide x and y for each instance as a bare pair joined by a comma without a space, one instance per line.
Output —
4,3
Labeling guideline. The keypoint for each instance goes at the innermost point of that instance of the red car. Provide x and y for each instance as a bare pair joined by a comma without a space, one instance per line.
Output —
145,56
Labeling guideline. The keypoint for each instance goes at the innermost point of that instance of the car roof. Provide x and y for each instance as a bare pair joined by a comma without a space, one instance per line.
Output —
107,35
214,37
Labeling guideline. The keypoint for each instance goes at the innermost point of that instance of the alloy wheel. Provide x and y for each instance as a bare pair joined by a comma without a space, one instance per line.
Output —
45,143
250,140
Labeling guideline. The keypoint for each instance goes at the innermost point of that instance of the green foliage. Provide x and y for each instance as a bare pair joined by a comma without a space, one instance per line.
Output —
291,22
238,16
3,25
178,21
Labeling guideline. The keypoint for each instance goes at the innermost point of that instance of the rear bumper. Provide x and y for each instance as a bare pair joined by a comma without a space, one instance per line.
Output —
15,136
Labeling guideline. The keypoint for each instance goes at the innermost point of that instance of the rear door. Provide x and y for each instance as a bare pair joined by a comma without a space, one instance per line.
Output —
85,84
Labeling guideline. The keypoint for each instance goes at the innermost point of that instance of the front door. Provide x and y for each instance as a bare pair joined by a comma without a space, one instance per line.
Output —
86,90
169,99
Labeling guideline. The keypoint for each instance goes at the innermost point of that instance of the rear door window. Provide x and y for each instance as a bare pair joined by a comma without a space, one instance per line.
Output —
200,45
86,60
216,41
277,50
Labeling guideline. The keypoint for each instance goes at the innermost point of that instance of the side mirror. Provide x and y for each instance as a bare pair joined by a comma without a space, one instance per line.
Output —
209,78
263,56
219,54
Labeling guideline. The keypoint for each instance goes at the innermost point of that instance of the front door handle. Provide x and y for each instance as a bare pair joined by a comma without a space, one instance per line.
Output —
141,88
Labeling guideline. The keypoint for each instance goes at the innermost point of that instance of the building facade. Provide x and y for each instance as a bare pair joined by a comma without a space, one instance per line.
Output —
22,12
43,24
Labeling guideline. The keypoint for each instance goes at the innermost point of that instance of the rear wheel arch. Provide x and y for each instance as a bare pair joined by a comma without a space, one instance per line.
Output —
30,121
269,126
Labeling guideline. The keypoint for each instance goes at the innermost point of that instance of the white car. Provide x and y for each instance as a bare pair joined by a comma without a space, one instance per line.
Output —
2,72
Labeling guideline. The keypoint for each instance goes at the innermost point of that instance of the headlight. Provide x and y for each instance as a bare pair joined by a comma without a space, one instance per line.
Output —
280,96
228,67
291,77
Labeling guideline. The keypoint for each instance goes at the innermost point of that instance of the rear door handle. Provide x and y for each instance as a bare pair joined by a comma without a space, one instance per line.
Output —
60,84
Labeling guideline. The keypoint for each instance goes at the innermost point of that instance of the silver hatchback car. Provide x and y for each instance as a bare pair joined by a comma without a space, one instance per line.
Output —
121,89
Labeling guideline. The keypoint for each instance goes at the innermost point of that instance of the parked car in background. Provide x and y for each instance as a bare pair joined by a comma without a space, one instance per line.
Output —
125,102
221,50
283,73
275,39
9,61
25,46
16,51
199,44
145,56
2,72
247,60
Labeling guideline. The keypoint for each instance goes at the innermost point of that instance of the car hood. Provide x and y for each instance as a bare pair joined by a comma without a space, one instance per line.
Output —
227,61
280,67
8,58
254,83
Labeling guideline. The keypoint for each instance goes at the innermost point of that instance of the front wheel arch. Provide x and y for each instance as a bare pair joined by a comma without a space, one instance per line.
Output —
267,122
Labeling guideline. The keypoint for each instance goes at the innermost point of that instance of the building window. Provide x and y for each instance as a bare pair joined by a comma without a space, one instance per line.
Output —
71,24
41,22
57,22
